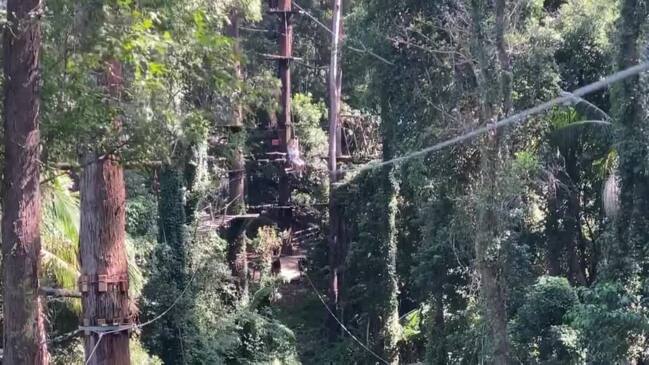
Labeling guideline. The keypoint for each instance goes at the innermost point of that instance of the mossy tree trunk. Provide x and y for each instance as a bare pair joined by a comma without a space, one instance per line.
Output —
495,86
237,247
632,222
170,276
389,318
390,331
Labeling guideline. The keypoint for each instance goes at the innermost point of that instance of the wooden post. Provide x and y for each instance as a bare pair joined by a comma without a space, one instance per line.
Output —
340,147
334,219
24,329
104,265
284,9
286,53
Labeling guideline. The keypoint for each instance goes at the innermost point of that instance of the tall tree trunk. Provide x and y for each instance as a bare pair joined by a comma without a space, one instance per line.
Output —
171,277
237,248
632,223
574,236
489,261
389,318
284,125
24,330
103,258
334,219
489,225
102,236
553,233
437,352
563,224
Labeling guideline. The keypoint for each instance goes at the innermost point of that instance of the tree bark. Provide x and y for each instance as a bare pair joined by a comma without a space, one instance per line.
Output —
237,248
104,265
24,329
626,255
489,225
489,262
334,219
102,236
574,236
285,124
390,327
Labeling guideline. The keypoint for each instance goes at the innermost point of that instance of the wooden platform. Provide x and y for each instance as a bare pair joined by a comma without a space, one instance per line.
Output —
221,221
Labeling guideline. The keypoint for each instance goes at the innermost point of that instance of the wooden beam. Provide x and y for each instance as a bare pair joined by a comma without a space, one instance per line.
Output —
58,293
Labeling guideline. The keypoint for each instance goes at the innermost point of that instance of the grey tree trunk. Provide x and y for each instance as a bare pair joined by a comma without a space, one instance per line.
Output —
334,219
626,254
489,224
24,330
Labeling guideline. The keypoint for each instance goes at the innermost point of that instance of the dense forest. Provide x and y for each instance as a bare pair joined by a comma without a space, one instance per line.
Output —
325,182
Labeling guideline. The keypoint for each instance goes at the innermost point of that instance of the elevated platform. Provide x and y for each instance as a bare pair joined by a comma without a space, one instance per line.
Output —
221,221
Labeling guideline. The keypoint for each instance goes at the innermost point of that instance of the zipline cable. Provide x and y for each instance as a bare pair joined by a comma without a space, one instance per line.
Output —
566,99
101,333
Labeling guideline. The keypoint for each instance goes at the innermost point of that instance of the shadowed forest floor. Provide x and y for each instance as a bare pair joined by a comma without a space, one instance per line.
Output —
301,311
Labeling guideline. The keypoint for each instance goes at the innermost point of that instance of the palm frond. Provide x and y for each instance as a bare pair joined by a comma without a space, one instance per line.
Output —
135,276
60,269
60,231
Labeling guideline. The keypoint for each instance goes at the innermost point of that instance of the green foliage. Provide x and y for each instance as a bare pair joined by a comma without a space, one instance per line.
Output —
541,328
310,116
250,338
140,356
140,215
610,323
411,323
72,353
415,73
169,276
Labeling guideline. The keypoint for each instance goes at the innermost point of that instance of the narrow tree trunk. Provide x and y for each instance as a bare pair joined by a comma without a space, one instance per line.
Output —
340,147
577,269
554,242
438,353
390,327
237,248
488,261
334,219
24,330
104,265
503,59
